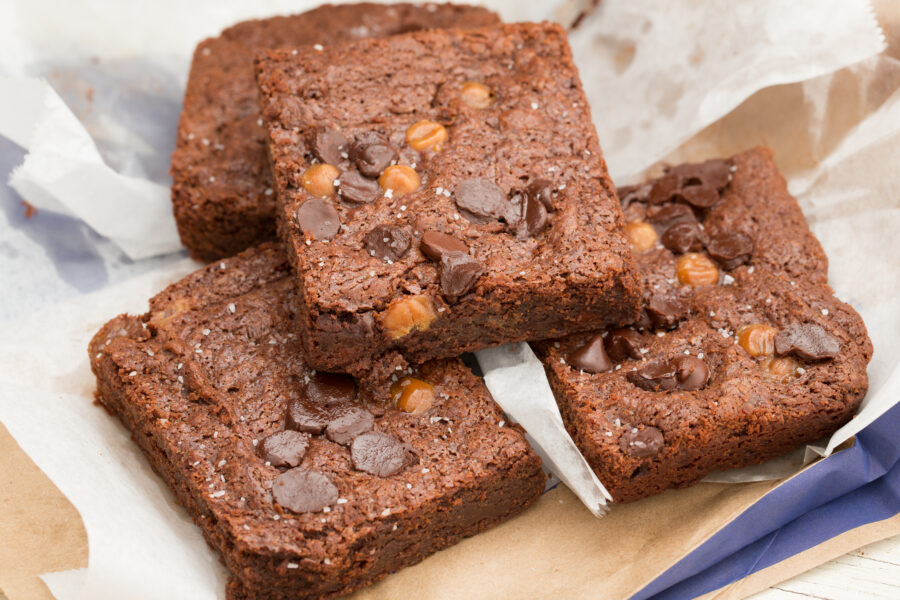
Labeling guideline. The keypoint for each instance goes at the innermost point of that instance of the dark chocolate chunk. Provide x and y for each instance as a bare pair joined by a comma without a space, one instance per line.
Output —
715,173
542,190
634,193
730,248
636,211
664,313
643,322
641,443
372,154
682,237
664,189
624,343
692,372
303,490
379,454
435,244
459,272
284,449
670,214
701,196
591,357
480,200
354,187
304,416
330,146
807,341
655,376
533,219
347,422
388,242
331,388
318,218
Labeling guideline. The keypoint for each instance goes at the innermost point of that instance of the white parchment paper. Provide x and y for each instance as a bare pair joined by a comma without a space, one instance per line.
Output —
102,124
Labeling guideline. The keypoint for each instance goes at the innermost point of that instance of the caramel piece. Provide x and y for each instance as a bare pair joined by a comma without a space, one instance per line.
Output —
318,180
412,395
400,179
426,135
412,313
757,339
696,269
641,235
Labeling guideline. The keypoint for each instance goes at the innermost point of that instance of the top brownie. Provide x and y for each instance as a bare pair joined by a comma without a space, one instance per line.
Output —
441,192
221,190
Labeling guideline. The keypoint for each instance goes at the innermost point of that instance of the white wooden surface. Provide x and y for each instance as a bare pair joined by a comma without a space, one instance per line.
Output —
872,572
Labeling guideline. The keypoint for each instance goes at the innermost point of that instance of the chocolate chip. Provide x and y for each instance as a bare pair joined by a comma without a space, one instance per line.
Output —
542,190
533,219
347,422
591,357
665,313
670,214
634,193
682,237
641,443
330,388
302,490
284,449
808,342
480,200
372,154
304,416
459,272
356,188
715,173
655,376
435,244
701,196
388,242
379,454
664,189
692,373
730,248
330,146
624,343
318,218
636,211
643,322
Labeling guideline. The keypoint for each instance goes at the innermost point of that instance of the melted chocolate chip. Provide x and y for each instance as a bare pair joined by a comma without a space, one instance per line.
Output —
636,211
480,200
634,193
715,173
330,388
682,237
304,416
664,189
347,422
302,490
284,449
435,244
354,187
318,218
808,342
730,248
692,373
664,313
459,272
591,357
670,214
624,343
372,154
541,190
533,219
641,443
379,454
330,146
388,242
701,196
655,376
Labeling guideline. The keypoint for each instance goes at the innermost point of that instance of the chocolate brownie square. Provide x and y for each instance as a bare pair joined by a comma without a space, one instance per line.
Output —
305,486
221,189
742,352
442,192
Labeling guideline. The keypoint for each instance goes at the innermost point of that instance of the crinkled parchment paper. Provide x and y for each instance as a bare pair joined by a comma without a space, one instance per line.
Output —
694,82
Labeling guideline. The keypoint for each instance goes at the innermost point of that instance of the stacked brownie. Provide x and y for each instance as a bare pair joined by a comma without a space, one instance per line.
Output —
438,191
741,353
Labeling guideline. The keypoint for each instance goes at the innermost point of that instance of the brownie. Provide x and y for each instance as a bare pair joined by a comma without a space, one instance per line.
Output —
306,486
222,190
441,192
742,352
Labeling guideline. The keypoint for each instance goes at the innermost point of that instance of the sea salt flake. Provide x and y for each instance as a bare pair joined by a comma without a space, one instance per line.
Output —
342,501
291,565
218,494
385,512
318,47
132,374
